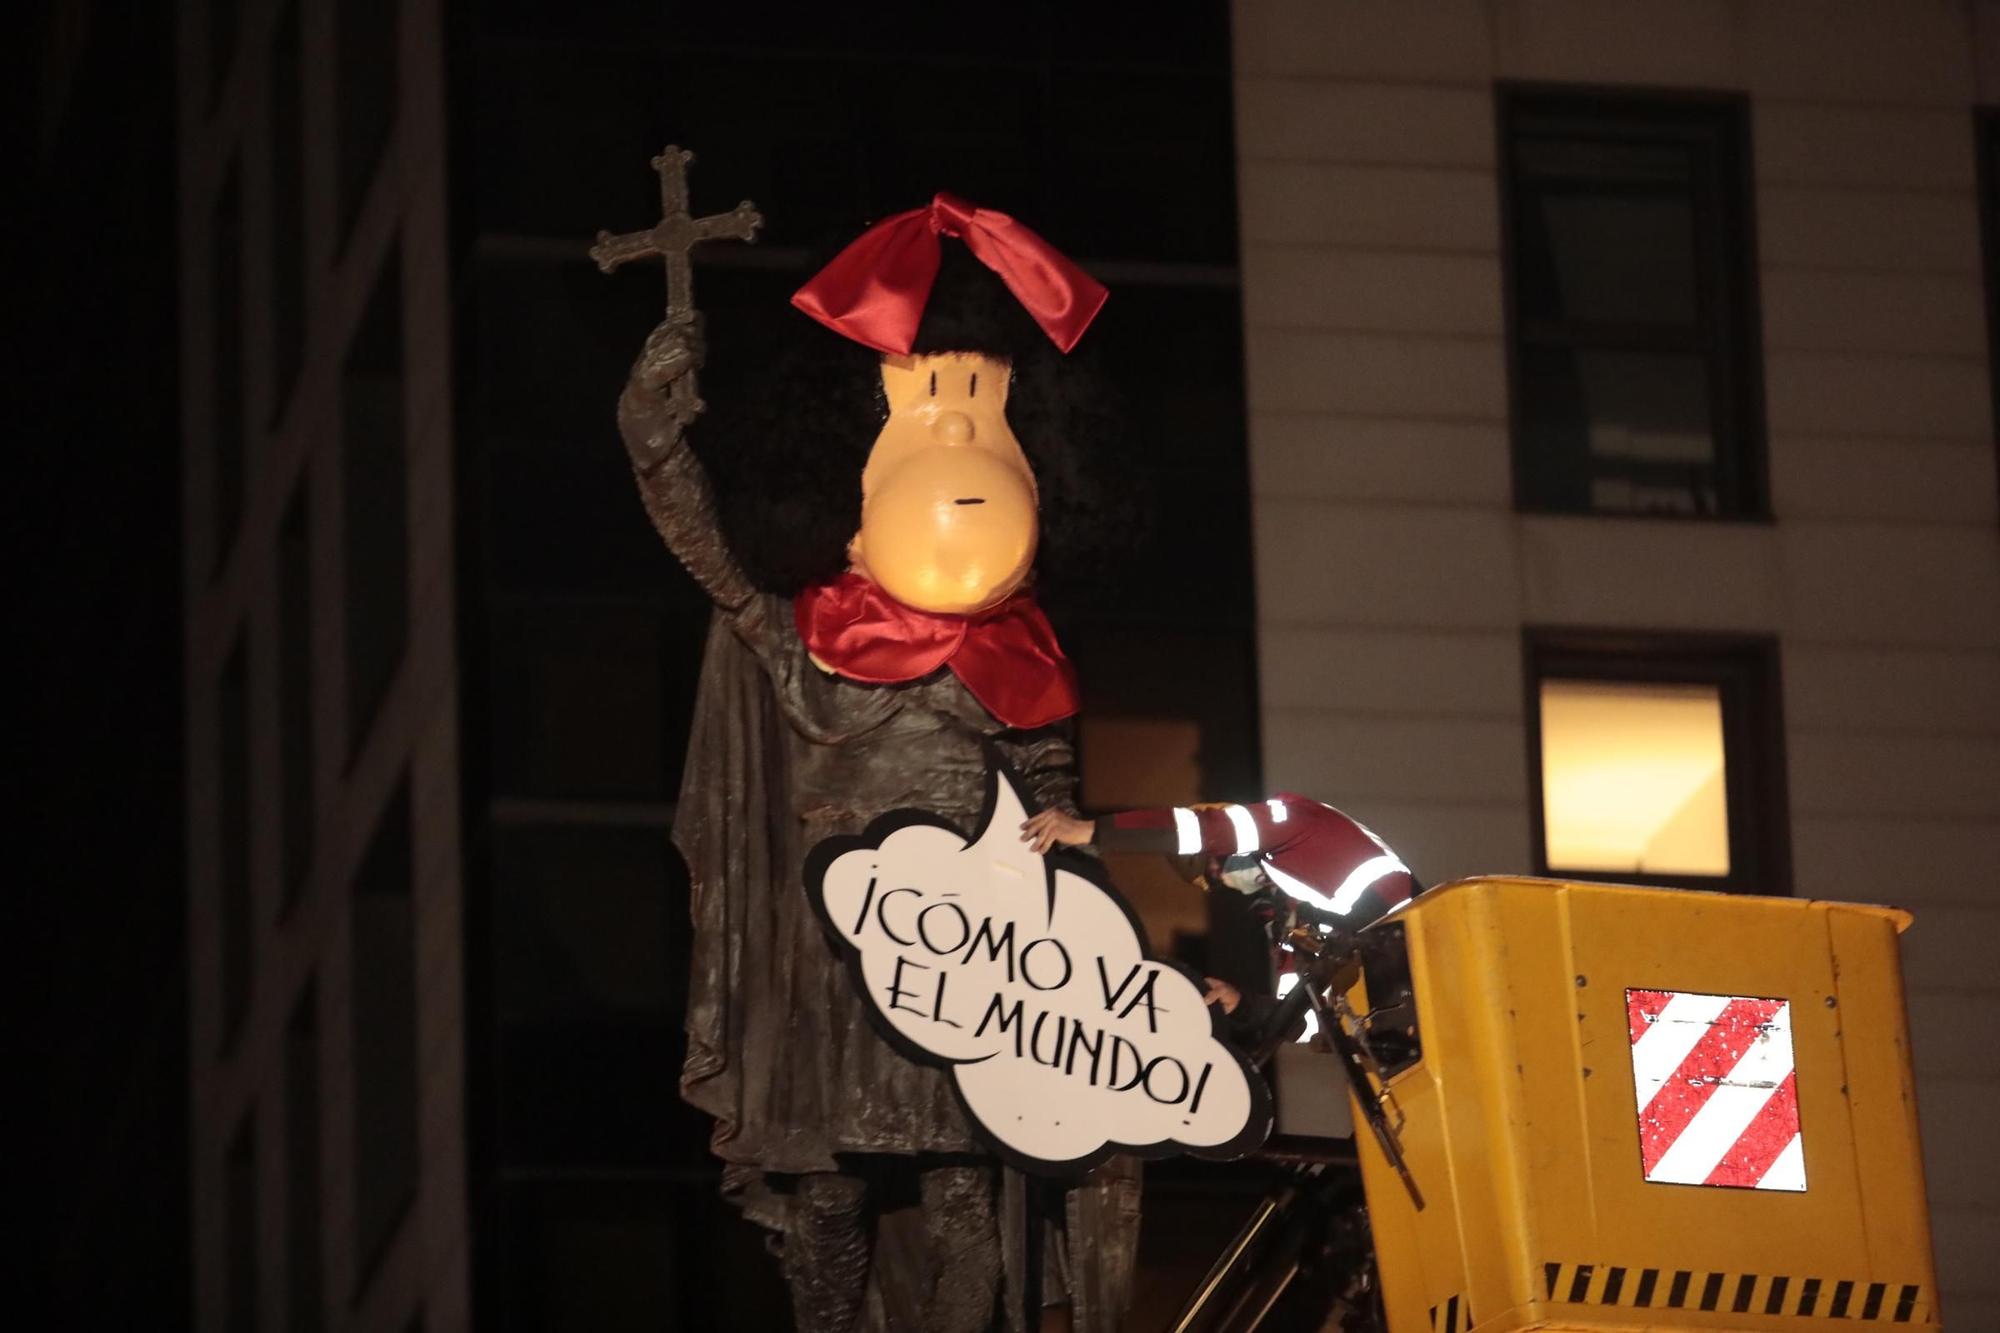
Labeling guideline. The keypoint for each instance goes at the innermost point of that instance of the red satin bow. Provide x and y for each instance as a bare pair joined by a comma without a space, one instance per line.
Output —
1008,656
875,290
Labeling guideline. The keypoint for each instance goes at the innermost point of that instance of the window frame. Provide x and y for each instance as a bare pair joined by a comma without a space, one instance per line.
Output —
1726,280
1745,670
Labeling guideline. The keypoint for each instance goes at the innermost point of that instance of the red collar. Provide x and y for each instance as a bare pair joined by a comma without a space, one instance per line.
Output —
1007,656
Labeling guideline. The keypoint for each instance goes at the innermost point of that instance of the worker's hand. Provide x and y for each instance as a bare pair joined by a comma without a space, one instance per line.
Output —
1222,993
1049,827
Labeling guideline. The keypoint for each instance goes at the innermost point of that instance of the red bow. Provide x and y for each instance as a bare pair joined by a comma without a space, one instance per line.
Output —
1008,656
875,290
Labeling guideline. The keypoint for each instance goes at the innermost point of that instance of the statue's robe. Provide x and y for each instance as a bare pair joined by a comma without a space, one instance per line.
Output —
780,1047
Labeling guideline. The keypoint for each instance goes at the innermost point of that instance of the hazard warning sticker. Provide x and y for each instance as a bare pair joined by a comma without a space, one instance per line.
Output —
1717,1095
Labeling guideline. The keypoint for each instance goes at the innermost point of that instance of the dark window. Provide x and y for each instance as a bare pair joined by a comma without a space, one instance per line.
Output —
232,853
239,1203
302,1193
384,1037
376,529
226,379
1658,759
365,83
295,716
285,145
1633,340
1986,127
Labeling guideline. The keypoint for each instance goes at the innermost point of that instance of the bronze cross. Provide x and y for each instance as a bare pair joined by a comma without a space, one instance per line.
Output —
671,238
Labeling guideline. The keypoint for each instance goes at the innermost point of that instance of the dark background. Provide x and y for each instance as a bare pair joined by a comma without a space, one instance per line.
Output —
95,756
1111,136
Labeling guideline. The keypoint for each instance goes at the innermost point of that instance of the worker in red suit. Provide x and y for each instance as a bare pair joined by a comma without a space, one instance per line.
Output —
1297,849
1303,848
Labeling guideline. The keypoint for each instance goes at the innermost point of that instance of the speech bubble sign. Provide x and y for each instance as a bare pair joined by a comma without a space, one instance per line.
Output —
1029,979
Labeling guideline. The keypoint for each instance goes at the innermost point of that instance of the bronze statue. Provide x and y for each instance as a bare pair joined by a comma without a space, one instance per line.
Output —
825,700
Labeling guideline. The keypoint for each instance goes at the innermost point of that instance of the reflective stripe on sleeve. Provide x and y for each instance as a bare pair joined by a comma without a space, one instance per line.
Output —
1247,839
1360,879
1187,828
1298,888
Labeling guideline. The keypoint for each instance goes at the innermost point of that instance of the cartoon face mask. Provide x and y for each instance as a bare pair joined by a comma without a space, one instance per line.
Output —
947,497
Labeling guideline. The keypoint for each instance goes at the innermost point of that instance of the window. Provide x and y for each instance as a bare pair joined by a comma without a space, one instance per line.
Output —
295,719
285,149
366,68
232,853
1632,777
1658,759
1632,329
384,1037
226,374
375,530
302,1193
239,1203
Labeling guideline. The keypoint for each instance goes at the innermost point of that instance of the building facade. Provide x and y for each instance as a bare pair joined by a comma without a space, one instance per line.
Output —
327,1050
1398,230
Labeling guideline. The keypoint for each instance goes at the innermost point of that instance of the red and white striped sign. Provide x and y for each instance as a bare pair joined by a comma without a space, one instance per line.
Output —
1718,1098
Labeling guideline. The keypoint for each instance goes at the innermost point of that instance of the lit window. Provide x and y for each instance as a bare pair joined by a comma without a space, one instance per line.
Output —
1632,778
1658,759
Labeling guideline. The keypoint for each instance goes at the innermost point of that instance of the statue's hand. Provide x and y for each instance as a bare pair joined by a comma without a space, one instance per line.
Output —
652,418
673,350
1046,828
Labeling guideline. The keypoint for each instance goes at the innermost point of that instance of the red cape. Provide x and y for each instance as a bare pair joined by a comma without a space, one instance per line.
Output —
1007,656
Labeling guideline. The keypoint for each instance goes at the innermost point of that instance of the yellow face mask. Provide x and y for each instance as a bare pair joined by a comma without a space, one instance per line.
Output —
947,497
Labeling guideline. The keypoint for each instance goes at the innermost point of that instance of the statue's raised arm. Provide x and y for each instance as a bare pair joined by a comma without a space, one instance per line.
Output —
660,400
672,482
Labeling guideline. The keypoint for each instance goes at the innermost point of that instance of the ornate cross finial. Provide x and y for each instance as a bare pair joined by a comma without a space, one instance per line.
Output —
671,238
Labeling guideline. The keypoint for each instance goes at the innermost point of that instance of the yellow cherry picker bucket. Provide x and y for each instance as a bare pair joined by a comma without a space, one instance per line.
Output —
1636,1108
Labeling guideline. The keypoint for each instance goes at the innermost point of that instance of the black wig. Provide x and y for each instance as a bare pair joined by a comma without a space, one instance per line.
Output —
786,452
